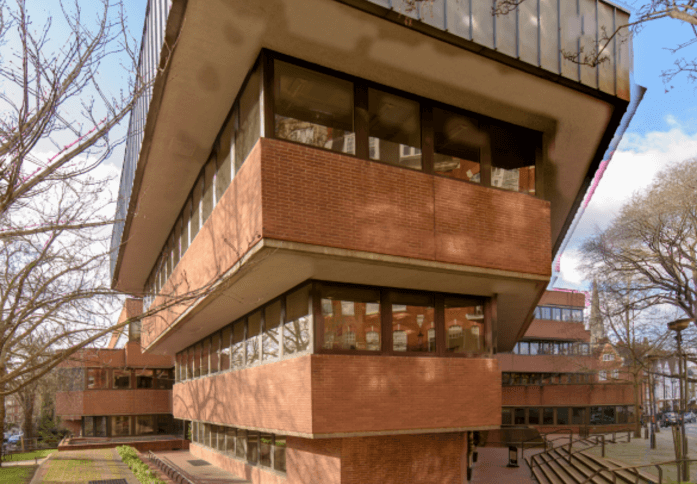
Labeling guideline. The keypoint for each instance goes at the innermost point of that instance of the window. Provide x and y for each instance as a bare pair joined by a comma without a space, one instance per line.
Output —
615,374
562,416
224,158
241,444
215,353
205,352
197,360
556,314
602,375
230,439
313,108
519,416
566,314
252,447
534,348
545,313
122,379
145,425
578,416
97,378
411,313
608,357
279,453
458,143
524,348
120,426
237,357
164,379
468,314
249,117
394,122
608,415
265,448
296,332
578,315
506,416
253,330
270,340
224,354
513,158
145,379
534,416
208,197
547,416
348,332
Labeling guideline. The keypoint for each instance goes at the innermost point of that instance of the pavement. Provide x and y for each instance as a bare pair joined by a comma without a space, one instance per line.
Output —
204,473
81,466
638,453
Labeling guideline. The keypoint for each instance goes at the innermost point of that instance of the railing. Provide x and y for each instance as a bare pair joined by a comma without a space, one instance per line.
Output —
168,469
635,469
599,440
148,62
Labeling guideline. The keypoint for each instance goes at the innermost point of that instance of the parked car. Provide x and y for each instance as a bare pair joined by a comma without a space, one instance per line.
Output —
670,418
689,417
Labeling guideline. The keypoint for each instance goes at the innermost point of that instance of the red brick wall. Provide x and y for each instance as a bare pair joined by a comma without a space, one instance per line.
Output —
114,402
546,363
416,459
136,359
568,395
563,298
544,329
317,197
330,394
275,396
313,461
386,393
238,467
340,201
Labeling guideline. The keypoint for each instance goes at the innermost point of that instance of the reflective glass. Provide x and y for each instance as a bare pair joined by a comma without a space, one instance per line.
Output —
270,342
249,118
412,316
237,357
313,108
279,453
394,129
253,338
225,348
350,331
513,158
458,143
296,332
464,325
562,416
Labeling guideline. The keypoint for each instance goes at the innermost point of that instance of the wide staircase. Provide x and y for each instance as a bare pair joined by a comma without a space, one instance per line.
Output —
570,462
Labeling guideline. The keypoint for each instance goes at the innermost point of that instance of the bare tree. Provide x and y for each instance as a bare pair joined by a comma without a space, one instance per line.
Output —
60,109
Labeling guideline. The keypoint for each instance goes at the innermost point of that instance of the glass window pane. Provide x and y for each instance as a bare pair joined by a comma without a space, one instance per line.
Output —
186,218
225,348
566,314
358,331
122,379
621,415
608,415
464,325
458,142
237,349
207,434
578,416
412,316
225,155
556,314
524,348
145,425
270,342
231,437
144,379
279,453
207,199
97,378
506,416
88,424
241,444
534,416
296,332
215,352
313,108
253,335
252,447
596,415
547,416
519,416
513,158
534,346
394,129
562,416
164,379
197,360
205,351
545,313
250,121
120,426
196,208
265,445
578,315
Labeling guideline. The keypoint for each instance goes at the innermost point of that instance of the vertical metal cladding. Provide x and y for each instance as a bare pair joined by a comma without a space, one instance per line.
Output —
148,62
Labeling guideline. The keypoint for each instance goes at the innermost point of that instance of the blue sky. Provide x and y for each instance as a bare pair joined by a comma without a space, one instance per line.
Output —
662,132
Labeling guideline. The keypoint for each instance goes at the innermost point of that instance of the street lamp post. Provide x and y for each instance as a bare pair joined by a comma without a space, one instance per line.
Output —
678,326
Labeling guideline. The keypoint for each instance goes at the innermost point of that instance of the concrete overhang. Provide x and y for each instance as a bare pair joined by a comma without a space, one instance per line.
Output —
272,267
219,41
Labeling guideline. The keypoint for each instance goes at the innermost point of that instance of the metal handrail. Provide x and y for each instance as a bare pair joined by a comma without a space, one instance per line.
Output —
522,442
658,465
160,462
533,462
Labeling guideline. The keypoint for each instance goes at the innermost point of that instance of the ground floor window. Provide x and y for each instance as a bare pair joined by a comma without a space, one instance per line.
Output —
256,448
595,415
129,425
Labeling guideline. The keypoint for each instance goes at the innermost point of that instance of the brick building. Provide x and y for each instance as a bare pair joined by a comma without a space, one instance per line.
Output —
375,201
117,392
555,378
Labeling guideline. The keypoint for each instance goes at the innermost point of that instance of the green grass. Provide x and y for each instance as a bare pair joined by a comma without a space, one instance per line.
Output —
37,454
72,470
129,455
17,475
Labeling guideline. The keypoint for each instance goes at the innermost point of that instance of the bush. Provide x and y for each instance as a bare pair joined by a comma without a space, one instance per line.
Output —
129,455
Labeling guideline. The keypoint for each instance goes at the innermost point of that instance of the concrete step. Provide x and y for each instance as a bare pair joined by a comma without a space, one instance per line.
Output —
626,476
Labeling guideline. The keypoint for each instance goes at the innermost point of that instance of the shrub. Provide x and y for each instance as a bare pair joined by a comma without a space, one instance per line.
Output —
140,469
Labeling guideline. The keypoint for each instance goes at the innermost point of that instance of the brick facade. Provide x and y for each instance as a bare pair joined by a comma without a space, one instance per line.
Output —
114,402
338,394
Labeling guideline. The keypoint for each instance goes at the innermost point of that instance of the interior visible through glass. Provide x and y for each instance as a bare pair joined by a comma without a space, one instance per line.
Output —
394,129
458,145
412,316
351,318
313,108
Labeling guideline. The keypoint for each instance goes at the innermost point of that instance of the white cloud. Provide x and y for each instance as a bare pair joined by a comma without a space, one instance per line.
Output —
633,167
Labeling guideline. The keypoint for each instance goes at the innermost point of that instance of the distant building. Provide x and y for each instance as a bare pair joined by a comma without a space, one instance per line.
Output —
555,378
117,392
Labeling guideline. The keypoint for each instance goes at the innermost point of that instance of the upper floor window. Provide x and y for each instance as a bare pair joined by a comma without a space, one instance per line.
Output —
608,357
602,375
97,378
559,314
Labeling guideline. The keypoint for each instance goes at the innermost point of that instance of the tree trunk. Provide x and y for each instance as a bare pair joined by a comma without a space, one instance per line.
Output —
637,406
28,410
2,414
